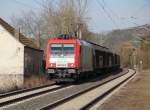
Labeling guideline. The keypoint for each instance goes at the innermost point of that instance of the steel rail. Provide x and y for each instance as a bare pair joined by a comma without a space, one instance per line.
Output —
87,106
66,99
8,94
21,98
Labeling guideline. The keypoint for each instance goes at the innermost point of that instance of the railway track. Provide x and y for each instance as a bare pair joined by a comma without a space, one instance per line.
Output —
23,91
52,96
83,100
16,96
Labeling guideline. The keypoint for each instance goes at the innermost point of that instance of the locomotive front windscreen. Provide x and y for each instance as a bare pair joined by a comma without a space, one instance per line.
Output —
68,50
62,55
56,50
62,50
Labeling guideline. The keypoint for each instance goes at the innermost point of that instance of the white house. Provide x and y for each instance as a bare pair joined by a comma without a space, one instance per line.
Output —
19,56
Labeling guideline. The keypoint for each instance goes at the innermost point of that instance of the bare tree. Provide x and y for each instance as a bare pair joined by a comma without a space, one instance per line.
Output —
53,19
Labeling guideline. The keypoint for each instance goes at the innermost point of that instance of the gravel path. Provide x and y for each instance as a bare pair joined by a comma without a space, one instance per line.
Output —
134,96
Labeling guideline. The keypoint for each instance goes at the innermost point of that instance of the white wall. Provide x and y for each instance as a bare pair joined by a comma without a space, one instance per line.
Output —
11,55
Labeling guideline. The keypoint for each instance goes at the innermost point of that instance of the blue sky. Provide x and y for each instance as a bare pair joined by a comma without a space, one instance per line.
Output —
116,14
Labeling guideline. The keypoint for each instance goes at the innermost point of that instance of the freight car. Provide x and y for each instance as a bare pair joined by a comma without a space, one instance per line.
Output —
71,59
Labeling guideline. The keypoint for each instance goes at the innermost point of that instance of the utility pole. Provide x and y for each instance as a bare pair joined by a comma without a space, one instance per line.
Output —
39,38
79,30
134,59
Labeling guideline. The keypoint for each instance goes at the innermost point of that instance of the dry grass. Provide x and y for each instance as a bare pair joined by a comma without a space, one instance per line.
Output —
35,81
14,82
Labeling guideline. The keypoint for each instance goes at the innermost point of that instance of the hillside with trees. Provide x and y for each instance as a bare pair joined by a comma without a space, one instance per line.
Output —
134,35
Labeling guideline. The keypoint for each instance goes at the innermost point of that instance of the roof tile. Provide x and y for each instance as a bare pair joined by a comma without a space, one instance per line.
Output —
24,40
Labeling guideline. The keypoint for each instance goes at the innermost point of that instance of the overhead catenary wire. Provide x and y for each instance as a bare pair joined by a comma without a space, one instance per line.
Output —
107,13
136,13
23,4
112,12
127,19
38,2
134,16
116,15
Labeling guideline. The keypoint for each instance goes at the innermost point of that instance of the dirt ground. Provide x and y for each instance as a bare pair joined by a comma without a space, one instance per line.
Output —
29,82
35,81
134,96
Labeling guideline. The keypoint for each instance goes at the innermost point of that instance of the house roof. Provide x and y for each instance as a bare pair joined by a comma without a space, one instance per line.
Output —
24,40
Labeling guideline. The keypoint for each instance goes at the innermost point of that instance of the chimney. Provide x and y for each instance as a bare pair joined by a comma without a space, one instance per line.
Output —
17,33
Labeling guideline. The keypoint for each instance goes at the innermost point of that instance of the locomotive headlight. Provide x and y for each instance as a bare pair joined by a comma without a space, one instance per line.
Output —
71,65
52,65
50,71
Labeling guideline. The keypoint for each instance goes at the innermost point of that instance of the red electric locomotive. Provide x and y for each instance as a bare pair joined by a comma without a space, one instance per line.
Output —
70,59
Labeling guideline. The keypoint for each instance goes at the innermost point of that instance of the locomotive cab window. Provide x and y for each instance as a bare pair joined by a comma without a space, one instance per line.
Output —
57,50
68,49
